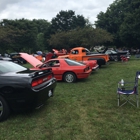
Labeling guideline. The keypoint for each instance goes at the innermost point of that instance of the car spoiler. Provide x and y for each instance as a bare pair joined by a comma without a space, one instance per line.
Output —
41,72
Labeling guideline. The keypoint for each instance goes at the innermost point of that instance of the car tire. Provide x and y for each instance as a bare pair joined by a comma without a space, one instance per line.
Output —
116,59
69,77
4,109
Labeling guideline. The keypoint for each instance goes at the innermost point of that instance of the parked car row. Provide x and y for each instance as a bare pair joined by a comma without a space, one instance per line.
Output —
114,55
24,88
63,69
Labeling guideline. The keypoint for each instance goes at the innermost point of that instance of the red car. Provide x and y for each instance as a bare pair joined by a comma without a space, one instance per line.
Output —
63,69
61,52
92,63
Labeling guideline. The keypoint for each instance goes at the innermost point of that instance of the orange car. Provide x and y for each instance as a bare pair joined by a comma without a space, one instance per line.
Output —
80,54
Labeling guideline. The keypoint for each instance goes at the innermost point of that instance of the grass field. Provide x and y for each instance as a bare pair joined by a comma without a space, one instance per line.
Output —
85,110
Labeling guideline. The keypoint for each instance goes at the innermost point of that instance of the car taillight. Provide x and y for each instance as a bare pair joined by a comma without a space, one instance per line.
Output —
34,83
49,77
41,80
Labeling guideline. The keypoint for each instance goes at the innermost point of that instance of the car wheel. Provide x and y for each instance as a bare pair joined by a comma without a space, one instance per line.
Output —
69,77
4,109
116,59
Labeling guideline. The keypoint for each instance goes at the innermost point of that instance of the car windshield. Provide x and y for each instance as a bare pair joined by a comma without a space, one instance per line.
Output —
87,50
10,67
73,63
110,52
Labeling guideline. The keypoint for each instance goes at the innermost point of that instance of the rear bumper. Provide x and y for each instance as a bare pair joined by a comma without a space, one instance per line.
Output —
32,98
84,75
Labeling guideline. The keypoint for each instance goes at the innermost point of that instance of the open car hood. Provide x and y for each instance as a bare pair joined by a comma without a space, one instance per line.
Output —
31,59
55,50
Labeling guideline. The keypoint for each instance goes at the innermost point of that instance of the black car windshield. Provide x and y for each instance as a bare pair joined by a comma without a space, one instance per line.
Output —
87,50
73,63
10,67
110,52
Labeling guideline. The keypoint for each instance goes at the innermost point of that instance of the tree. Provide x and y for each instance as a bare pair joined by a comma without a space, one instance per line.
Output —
87,37
40,42
8,37
67,20
41,24
64,21
130,29
23,34
120,20
111,21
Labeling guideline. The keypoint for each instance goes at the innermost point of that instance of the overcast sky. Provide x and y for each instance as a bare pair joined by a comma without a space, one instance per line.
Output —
48,9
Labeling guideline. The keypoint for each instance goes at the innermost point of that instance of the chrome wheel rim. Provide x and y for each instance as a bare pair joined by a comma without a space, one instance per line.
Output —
69,78
1,108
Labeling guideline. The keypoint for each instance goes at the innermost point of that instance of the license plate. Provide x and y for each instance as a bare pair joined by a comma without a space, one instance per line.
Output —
50,93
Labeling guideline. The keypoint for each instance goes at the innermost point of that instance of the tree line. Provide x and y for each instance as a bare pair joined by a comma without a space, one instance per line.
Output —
122,20
118,26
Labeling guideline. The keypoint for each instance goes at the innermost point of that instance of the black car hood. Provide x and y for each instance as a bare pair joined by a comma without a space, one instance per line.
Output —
123,52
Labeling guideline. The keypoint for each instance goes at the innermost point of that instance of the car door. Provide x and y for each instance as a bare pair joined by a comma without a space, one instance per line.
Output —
56,68
75,55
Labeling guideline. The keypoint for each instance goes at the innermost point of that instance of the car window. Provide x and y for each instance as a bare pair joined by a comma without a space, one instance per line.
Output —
73,63
108,52
54,63
86,50
114,52
75,52
10,67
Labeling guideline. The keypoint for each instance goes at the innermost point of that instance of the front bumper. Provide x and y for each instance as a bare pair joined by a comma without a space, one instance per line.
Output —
95,68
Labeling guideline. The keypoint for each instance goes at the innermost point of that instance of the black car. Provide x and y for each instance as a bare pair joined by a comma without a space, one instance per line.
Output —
116,55
22,88
5,58
16,58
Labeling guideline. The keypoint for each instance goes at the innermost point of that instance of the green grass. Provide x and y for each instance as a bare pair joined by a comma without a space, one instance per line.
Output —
85,110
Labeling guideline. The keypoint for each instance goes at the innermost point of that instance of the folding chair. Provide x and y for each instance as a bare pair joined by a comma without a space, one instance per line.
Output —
127,92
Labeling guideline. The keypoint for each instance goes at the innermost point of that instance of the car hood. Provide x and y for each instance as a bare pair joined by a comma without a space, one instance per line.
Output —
31,59
122,52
